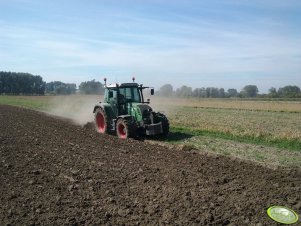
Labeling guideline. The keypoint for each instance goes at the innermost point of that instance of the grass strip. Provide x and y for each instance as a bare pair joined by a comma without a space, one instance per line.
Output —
20,101
178,132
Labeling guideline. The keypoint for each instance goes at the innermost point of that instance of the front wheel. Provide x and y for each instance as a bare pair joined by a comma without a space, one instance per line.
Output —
125,129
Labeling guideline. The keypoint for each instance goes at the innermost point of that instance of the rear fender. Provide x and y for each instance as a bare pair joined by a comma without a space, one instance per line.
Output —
107,108
96,107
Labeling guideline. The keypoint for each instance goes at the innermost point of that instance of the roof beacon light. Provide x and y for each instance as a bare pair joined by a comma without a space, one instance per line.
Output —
105,79
133,78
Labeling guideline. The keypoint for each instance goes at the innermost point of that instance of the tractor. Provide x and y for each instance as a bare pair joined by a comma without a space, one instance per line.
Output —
125,112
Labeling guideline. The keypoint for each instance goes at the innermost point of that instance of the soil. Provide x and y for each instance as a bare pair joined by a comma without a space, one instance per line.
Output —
53,172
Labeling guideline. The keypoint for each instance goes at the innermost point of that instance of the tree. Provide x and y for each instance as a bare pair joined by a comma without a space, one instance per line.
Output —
184,91
91,87
196,92
221,93
21,83
249,91
60,88
289,91
166,90
212,92
272,92
203,92
199,92
232,93
70,88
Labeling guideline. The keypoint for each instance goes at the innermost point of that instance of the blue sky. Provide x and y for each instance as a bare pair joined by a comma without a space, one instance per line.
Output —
214,43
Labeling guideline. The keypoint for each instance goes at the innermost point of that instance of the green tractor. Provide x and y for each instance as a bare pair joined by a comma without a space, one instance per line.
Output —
125,112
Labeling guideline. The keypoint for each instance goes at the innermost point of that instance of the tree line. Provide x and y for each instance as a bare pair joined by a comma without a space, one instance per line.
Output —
21,83
248,91
15,83
27,84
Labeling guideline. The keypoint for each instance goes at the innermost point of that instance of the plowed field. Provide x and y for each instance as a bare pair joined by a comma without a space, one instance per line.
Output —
55,173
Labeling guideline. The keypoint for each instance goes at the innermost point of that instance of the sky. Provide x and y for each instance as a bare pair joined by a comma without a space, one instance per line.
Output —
198,43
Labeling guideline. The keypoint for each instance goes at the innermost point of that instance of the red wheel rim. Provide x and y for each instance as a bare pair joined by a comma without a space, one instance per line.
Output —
121,131
100,121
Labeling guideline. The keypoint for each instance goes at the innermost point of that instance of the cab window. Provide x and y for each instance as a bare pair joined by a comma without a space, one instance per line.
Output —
110,95
131,94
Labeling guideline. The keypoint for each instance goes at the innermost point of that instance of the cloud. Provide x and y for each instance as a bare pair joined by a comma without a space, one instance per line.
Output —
199,58
231,51
198,38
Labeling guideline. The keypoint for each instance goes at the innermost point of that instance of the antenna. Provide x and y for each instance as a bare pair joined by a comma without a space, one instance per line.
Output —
133,78
105,80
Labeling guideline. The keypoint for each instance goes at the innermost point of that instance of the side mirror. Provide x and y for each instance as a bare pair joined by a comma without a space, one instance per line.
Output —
110,94
152,91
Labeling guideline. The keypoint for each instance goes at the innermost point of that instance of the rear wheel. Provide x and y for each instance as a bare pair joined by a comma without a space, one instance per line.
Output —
101,121
125,129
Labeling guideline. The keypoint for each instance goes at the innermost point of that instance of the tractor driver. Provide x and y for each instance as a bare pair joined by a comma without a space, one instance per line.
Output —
121,98
122,101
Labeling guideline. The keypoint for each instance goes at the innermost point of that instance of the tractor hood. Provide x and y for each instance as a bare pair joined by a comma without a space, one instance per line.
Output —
144,108
140,111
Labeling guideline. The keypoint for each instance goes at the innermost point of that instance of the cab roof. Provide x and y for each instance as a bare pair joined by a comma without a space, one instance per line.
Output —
115,85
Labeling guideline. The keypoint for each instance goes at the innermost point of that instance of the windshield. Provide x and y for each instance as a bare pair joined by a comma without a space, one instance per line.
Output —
131,94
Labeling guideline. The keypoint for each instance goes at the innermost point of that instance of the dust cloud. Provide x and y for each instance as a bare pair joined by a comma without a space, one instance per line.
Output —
164,105
78,108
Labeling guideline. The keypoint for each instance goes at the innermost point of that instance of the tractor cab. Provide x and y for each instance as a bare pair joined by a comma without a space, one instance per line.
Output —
122,97
125,112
